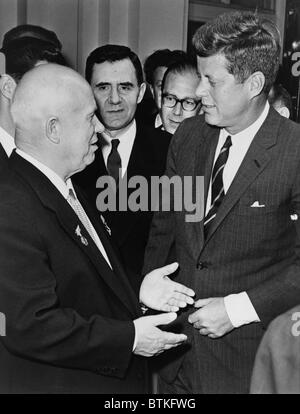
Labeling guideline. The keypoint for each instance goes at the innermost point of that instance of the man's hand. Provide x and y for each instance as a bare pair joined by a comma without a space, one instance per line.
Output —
152,341
159,292
211,319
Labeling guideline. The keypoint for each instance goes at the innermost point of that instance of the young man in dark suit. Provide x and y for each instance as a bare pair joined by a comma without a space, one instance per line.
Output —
73,322
116,76
243,257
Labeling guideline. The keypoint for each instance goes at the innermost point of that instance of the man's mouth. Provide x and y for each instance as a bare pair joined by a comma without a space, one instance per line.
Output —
115,111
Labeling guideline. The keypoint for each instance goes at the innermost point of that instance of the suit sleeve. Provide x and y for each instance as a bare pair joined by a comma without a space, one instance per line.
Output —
160,248
37,327
282,292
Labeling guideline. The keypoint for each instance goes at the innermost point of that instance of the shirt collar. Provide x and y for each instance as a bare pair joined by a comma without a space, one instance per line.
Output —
158,121
62,186
123,136
7,141
252,130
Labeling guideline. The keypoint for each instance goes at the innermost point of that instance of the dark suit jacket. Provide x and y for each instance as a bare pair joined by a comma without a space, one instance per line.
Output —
3,158
277,363
248,249
131,229
69,317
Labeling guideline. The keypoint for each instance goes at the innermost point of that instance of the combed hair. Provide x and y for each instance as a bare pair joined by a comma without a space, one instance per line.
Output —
24,53
182,67
161,57
248,42
29,31
113,53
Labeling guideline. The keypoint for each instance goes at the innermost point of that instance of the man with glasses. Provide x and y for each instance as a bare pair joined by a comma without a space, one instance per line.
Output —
179,100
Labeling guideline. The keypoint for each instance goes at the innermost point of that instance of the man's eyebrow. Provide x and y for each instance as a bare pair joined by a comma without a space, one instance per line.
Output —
126,84
102,84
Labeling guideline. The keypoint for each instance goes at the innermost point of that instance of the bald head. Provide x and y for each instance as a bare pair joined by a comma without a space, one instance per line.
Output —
46,90
53,110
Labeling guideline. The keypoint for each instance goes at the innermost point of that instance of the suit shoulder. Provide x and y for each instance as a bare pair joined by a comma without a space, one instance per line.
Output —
289,128
153,139
14,189
149,132
284,326
189,131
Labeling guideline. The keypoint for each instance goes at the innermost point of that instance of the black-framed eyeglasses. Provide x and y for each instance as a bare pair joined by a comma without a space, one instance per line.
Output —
187,104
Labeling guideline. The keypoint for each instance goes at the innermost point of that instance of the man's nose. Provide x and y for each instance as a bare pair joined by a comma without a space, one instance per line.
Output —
178,109
114,97
201,90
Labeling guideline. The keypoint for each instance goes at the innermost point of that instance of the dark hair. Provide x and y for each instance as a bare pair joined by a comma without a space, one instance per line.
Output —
279,94
161,57
113,53
29,31
248,42
181,67
23,54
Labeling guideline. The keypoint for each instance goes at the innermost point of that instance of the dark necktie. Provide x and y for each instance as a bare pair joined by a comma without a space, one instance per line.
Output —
217,184
114,162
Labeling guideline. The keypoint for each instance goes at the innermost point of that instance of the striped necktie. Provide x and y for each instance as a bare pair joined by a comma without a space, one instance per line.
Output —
217,184
81,214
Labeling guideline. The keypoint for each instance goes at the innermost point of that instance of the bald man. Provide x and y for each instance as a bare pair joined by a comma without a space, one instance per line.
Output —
73,323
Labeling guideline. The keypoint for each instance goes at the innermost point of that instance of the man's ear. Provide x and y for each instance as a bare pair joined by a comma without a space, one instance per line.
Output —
53,130
141,92
7,86
256,83
284,111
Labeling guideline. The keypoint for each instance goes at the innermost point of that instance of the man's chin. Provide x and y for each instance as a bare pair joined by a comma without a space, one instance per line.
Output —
209,119
86,162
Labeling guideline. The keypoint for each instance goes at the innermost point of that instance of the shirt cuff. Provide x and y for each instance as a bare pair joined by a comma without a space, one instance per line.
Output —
240,309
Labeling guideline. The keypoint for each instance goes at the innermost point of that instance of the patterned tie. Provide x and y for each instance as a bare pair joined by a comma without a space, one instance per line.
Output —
114,162
81,214
217,185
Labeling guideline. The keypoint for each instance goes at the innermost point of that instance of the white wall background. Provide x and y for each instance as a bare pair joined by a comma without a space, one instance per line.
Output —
82,25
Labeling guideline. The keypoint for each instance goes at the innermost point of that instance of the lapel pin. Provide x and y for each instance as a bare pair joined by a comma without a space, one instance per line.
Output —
82,238
105,225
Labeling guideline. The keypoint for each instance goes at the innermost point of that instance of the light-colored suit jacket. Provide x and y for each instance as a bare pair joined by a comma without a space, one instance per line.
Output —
277,363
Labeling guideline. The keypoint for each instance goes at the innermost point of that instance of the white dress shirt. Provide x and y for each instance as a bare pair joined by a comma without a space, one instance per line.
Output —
238,306
124,148
63,187
7,142
158,122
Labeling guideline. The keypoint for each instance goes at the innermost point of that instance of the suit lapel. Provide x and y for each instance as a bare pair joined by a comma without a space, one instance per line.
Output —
207,142
53,200
255,161
117,275
3,155
138,165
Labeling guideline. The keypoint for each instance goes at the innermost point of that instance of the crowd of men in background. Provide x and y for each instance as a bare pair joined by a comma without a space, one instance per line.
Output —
59,338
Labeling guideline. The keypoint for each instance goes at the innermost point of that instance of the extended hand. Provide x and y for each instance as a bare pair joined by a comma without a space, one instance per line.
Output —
211,319
159,292
150,340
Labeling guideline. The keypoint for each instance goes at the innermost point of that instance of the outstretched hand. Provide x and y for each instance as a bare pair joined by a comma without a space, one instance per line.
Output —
159,292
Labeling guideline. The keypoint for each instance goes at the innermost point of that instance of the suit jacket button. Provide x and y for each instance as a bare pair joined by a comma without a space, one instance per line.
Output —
202,265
